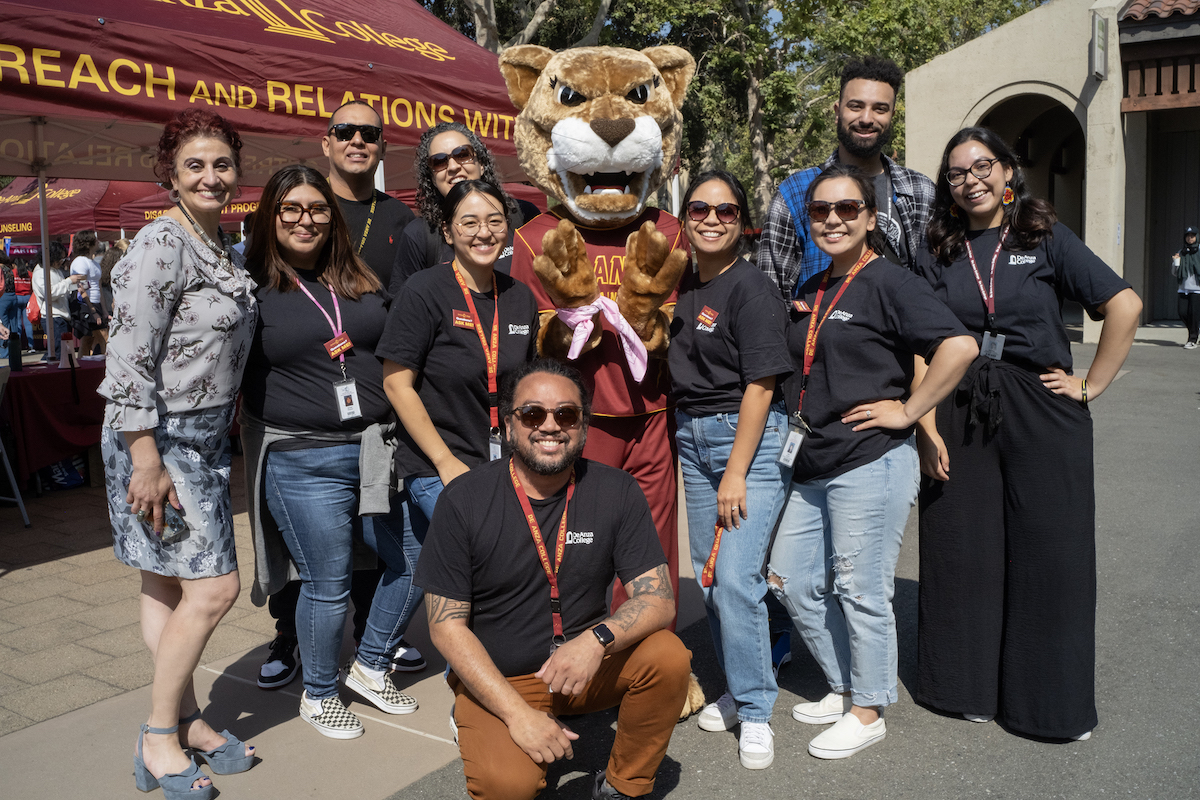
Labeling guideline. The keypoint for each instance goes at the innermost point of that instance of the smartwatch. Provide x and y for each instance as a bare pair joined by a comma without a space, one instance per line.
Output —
603,635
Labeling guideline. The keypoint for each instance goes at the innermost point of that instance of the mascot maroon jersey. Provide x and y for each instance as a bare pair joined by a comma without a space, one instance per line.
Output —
615,393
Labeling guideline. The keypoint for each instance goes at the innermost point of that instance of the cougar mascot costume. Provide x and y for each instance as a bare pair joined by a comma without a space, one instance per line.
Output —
598,129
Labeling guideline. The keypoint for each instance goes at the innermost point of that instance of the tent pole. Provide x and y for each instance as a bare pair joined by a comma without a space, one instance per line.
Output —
39,161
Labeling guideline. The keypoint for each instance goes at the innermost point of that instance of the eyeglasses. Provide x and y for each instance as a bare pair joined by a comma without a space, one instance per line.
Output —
463,154
697,211
847,210
472,227
292,213
344,132
566,417
980,169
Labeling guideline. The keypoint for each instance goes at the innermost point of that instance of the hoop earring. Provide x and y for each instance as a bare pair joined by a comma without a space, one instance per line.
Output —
1008,197
173,196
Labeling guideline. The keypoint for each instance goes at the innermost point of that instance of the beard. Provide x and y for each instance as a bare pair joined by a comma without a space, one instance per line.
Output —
859,148
524,447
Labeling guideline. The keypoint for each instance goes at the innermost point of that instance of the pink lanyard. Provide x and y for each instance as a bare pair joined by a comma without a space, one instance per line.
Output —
989,298
337,329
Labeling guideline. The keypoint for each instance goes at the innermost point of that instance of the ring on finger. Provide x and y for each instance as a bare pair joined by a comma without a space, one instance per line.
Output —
141,515
868,413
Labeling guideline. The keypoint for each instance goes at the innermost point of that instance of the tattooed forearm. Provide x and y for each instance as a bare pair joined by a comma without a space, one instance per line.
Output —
647,593
443,609
628,614
655,585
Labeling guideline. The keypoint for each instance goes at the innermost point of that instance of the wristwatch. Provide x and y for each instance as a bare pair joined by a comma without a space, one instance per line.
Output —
603,635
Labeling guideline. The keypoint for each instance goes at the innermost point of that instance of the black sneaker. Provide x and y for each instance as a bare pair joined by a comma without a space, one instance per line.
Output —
602,790
407,658
282,663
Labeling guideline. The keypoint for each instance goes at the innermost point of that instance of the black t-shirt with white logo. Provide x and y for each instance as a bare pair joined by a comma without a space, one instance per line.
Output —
479,549
864,353
429,330
1030,288
725,334
390,218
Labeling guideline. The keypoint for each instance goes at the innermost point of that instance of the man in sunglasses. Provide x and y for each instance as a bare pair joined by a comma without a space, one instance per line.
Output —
354,145
864,111
519,556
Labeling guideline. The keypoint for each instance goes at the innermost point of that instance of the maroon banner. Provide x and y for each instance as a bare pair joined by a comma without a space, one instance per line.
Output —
71,205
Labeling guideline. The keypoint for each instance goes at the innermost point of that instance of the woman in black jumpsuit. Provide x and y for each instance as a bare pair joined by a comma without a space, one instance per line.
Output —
1008,555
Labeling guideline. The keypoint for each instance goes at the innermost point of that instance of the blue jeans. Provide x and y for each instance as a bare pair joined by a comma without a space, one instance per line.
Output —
736,602
9,317
423,494
313,496
23,314
836,553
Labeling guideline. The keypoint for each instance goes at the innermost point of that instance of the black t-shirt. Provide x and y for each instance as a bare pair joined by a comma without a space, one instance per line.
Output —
864,353
419,248
289,376
1030,288
387,225
422,334
479,549
725,334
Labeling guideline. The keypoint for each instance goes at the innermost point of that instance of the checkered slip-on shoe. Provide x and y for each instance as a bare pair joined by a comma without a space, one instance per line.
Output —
335,720
382,694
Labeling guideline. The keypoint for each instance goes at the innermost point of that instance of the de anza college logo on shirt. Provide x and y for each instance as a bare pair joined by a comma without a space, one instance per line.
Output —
706,320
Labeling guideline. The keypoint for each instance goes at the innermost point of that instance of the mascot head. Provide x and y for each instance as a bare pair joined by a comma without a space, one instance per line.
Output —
598,124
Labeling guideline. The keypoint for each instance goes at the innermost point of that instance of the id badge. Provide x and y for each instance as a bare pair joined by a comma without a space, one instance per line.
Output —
495,451
791,447
993,345
338,344
347,400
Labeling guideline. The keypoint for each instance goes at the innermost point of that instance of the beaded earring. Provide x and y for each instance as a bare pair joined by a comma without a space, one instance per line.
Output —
954,211
1008,197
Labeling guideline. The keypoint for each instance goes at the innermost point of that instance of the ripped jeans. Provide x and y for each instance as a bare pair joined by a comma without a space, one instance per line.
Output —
836,553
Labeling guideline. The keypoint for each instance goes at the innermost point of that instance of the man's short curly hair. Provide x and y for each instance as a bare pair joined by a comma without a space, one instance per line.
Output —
429,199
872,68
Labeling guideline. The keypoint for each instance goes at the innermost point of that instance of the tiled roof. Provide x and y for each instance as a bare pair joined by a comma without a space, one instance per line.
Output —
1139,10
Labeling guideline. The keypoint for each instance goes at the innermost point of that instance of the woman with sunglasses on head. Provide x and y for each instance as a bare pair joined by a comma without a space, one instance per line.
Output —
447,154
182,321
858,330
728,347
1008,554
318,433
451,333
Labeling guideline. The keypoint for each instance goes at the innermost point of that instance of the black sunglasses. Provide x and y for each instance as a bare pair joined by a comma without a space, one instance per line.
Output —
697,211
463,154
566,417
847,210
344,132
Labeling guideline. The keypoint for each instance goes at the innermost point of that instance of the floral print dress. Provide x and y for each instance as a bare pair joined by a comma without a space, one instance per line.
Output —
181,329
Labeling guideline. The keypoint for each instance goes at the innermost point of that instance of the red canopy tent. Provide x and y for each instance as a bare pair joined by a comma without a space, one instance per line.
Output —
85,85
137,214
71,205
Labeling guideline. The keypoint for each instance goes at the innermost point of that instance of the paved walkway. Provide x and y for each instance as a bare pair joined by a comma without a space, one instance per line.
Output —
74,674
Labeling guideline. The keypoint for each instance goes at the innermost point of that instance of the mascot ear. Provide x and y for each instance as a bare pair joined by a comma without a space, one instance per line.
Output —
522,66
677,67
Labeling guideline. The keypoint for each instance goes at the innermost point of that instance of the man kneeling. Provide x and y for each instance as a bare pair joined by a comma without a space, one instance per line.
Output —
519,555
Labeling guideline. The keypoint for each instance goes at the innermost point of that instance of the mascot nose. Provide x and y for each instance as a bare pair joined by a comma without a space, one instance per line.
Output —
612,131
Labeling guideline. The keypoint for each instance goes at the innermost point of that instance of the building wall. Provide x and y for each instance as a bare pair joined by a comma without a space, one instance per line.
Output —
1040,58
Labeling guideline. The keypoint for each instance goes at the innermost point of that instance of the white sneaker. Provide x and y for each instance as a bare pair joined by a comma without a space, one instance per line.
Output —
756,745
978,717
719,716
1083,737
846,737
1189,346
829,708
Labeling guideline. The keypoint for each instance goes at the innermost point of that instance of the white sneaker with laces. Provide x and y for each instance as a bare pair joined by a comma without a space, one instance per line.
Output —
846,737
756,745
829,708
719,716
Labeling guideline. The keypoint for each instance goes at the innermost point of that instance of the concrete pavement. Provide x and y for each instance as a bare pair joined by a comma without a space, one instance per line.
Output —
74,675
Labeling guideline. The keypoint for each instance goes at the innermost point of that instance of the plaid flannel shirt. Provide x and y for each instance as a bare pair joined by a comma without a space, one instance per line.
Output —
787,253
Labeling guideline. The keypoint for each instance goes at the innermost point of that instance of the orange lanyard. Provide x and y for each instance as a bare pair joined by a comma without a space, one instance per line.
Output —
814,327
490,354
560,546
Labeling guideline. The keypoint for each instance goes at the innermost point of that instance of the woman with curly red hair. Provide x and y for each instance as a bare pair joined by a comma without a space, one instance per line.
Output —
182,322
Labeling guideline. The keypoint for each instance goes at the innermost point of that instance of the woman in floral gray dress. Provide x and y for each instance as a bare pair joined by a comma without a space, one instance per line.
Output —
181,329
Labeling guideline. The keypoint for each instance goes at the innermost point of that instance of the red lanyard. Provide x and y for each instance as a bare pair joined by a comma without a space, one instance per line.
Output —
336,328
814,327
490,354
559,546
989,297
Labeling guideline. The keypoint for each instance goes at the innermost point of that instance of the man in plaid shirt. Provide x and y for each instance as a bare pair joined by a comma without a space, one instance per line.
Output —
864,111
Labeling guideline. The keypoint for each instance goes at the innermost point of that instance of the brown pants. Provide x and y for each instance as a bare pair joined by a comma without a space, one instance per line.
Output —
648,682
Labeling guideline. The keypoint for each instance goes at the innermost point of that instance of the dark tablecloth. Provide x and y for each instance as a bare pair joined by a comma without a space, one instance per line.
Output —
48,422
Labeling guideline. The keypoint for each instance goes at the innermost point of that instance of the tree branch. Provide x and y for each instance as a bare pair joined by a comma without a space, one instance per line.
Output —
593,37
535,22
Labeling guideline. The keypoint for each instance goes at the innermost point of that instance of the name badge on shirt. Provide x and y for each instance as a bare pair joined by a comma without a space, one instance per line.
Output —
993,345
347,400
707,317
462,319
338,344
